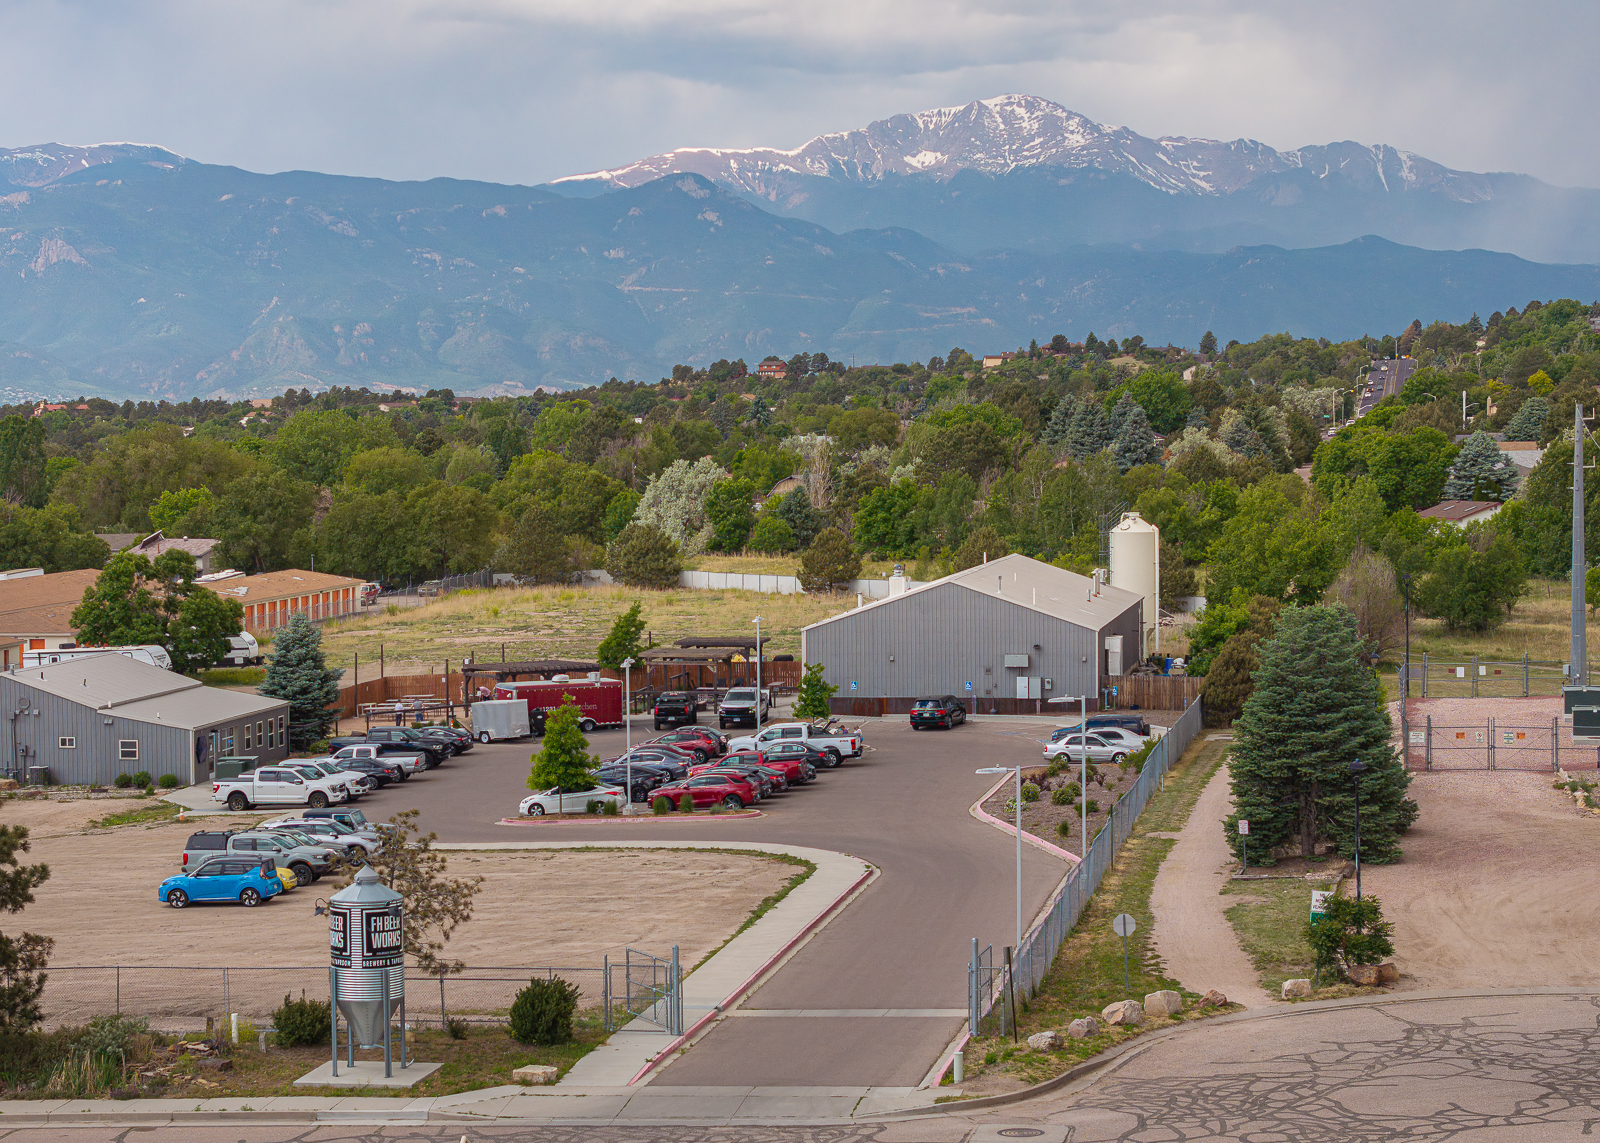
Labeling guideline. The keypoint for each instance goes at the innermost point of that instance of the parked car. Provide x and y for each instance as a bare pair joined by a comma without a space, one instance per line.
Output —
1110,733
693,738
430,587
278,786
796,754
381,773
669,758
307,862
1077,745
744,706
408,762
763,783
344,815
245,881
1131,722
462,738
843,743
938,710
707,790
559,801
397,739
342,850
675,707
358,782
325,829
645,779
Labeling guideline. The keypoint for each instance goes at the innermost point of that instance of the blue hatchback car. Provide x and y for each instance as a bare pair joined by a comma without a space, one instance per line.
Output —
249,881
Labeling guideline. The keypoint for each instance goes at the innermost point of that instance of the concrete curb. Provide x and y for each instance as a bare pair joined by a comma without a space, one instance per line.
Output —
1010,830
1116,1054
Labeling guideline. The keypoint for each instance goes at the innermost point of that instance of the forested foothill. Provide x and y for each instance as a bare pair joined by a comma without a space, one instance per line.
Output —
934,464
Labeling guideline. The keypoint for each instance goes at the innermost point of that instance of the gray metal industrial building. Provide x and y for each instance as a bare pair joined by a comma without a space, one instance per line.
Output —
1006,636
88,720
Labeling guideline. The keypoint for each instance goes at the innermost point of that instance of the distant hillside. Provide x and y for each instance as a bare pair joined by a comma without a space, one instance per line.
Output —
129,271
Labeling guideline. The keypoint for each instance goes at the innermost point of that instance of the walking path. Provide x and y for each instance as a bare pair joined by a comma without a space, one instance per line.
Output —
1192,934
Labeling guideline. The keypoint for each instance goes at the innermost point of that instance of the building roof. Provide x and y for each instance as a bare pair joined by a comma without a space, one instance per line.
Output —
1458,510
116,541
127,688
43,603
279,585
156,543
1028,583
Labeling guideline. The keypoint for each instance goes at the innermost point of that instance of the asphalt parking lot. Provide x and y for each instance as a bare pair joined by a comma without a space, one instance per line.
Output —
902,944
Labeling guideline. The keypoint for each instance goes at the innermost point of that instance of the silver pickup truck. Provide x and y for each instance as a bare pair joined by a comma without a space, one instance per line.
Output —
409,763
839,742
281,785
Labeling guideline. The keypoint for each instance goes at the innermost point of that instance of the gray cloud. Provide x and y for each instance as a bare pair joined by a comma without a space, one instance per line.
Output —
527,90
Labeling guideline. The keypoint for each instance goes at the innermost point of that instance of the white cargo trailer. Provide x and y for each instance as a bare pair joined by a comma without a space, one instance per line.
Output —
494,719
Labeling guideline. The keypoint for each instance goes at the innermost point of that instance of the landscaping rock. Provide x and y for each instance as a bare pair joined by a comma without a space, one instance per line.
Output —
8,783
1163,1003
1213,999
1388,973
1044,1041
1083,1029
1124,1012
1365,975
1296,989
216,1063
535,1074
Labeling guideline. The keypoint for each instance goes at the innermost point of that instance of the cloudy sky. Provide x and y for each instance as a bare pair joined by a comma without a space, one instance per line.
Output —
528,90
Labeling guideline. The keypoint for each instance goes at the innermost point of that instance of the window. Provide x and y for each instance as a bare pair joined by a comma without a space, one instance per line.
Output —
67,743
282,741
227,741
128,749
259,739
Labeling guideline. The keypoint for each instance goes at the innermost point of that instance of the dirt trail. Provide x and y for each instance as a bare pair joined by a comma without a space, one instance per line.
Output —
1496,888
1192,935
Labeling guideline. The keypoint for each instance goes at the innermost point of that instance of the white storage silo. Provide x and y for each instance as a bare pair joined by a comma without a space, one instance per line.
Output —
1136,567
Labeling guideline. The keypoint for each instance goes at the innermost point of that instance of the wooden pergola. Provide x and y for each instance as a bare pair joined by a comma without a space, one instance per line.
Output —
684,667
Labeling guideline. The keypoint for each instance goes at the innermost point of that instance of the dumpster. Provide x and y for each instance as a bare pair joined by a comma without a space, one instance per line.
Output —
229,768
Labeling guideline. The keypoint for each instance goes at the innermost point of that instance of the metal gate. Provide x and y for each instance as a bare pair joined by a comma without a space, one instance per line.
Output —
1491,746
988,1012
650,992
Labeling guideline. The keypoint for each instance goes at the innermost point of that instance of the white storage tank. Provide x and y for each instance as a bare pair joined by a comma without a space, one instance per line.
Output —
1136,567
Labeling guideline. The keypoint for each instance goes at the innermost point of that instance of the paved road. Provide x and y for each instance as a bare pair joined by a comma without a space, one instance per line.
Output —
902,944
1385,382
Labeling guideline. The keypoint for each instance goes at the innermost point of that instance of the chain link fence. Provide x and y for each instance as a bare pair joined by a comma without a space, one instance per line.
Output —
990,985
1491,745
1488,678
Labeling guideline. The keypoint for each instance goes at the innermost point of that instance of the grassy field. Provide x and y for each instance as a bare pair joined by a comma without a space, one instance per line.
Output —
1087,973
783,565
1539,627
1270,923
562,623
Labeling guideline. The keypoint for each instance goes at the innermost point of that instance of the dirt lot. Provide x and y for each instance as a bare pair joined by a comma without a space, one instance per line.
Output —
1495,888
536,909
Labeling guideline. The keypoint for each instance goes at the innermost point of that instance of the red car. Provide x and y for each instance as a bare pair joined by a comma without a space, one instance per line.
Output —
707,790
700,741
795,768
765,782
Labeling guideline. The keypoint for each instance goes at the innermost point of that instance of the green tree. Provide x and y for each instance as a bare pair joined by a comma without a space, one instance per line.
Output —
298,674
981,544
796,510
1481,471
728,509
1228,682
619,513
1163,397
1317,707
535,550
1349,932
52,538
643,556
829,563
811,699
183,512
563,761
22,462
386,469
120,608
23,958
1474,584
622,641
264,521
772,534
1274,545
315,445
1528,423
1135,443
455,526
1208,344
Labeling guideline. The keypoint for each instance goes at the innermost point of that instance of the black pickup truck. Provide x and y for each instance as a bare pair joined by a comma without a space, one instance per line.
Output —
673,708
397,738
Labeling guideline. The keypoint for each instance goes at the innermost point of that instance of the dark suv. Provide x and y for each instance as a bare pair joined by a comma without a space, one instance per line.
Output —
1129,722
937,710
397,738
674,708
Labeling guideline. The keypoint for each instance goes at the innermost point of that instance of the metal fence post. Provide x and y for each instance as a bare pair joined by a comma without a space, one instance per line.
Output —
119,990
225,1008
605,992
1524,674
1427,742
1474,669
1424,674
972,992
1491,742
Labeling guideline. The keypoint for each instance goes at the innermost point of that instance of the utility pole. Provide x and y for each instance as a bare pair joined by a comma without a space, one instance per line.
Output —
1578,675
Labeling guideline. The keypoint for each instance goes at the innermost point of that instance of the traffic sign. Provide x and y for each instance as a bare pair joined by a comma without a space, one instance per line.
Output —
1244,827
1124,925
1318,897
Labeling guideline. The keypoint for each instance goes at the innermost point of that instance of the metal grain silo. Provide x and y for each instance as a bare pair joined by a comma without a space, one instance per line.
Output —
1136,567
366,945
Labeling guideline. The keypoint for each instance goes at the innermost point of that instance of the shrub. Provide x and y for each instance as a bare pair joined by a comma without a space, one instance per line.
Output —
1349,932
610,809
1093,806
542,1012
391,609
661,805
321,746
168,782
302,1021
456,1028
1063,796
123,781
1064,827
718,808
111,1033
1030,792
686,803
142,779
592,806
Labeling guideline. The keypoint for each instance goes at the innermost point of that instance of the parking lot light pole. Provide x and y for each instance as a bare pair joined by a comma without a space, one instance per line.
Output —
1357,768
1017,804
627,730
758,675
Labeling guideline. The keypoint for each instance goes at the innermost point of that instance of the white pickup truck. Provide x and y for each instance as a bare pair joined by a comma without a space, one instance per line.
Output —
837,741
279,786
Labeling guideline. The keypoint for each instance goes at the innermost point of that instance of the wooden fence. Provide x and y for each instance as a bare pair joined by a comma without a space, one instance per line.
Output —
392,687
1153,692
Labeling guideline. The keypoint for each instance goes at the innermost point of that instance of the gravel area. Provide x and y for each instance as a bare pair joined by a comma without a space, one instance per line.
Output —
1461,733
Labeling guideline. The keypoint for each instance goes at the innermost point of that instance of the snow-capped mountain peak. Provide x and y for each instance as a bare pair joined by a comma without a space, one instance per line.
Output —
47,163
1007,132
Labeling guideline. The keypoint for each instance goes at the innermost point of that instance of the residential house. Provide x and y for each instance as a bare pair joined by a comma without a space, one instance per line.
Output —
1461,511
772,368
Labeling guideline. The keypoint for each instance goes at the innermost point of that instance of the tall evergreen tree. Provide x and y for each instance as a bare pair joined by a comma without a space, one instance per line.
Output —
22,958
1315,709
1528,423
1481,472
1122,413
622,641
1136,441
1090,431
1060,423
298,674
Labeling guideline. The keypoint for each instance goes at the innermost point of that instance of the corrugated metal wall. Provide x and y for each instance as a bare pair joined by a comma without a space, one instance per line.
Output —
94,758
938,640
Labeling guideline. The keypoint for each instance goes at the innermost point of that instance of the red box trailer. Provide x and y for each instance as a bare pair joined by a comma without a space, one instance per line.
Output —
600,700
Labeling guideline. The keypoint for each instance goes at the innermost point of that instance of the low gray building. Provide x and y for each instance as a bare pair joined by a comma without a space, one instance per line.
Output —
88,720
1005,636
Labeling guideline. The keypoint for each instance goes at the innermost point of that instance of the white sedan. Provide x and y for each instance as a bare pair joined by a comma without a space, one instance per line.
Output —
1128,738
558,801
1074,746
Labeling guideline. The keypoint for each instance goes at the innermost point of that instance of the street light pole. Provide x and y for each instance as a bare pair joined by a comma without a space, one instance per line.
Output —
1017,810
1357,768
627,727
758,675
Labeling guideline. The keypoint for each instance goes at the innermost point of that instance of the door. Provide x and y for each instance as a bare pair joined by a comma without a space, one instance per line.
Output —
209,884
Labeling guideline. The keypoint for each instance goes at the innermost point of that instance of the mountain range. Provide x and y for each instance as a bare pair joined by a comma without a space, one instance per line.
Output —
128,270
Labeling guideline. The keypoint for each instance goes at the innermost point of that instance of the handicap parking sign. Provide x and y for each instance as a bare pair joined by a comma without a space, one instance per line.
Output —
969,686
852,684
